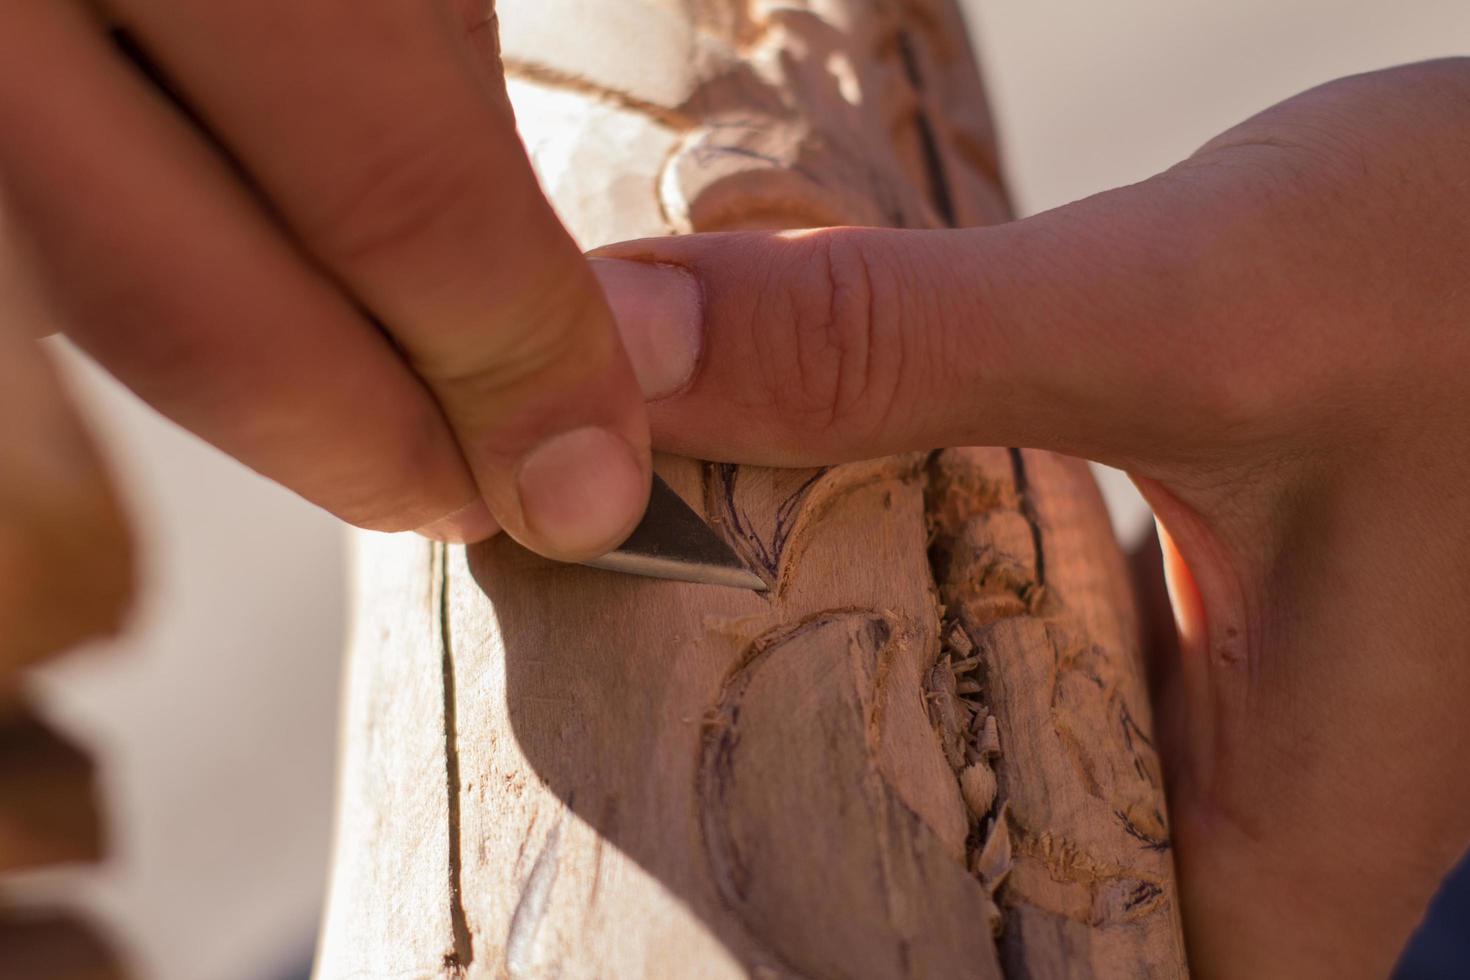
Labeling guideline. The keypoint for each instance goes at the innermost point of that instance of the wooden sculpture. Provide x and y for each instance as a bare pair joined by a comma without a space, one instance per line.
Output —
924,752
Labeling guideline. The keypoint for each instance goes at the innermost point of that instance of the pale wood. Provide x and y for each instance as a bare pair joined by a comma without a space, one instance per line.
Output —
924,753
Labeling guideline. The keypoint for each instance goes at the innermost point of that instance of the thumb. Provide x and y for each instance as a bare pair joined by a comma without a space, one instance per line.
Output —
1112,328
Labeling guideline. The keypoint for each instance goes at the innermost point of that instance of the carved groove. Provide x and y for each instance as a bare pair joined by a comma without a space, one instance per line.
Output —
932,716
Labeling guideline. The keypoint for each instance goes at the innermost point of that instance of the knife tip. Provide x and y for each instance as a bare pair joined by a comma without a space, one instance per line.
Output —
750,580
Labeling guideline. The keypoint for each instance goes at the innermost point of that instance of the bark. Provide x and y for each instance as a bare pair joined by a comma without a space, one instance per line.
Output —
924,752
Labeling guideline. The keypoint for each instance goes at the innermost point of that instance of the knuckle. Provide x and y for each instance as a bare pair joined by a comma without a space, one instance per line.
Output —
841,347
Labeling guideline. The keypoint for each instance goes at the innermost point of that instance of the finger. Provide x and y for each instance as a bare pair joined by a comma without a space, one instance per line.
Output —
1126,328
65,553
389,150
160,264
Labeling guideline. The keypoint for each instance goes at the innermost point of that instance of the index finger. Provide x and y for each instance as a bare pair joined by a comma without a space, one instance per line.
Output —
384,144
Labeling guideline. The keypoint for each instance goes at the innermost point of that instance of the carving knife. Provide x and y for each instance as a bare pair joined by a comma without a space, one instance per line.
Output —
673,542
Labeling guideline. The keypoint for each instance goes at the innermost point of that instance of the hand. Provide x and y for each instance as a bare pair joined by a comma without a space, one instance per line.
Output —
1273,337
321,171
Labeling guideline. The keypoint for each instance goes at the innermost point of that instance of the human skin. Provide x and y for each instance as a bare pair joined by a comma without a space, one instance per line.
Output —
340,270
1273,337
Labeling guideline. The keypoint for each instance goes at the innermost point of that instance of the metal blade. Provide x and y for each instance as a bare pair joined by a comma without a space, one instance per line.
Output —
672,542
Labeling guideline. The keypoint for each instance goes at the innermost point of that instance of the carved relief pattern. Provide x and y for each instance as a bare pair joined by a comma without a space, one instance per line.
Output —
801,114
925,751
1079,790
825,112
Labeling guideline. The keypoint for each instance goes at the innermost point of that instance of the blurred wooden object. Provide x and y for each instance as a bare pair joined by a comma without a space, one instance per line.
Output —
65,576
925,752
49,815
49,812
46,946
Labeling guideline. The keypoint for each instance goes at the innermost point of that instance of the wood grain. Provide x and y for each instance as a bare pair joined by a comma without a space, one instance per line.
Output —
925,752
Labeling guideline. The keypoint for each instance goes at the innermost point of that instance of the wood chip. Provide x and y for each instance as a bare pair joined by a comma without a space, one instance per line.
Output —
993,862
977,786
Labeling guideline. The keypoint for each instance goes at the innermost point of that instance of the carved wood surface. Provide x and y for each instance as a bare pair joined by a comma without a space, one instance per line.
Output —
925,752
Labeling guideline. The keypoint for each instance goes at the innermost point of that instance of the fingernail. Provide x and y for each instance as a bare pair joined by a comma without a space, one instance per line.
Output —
659,313
472,522
583,492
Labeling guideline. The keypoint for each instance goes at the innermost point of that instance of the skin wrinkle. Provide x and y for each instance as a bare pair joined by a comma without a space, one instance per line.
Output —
1238,332
819,348
325,229
891,374
398,196
768,362
896,363
851,328
1270,331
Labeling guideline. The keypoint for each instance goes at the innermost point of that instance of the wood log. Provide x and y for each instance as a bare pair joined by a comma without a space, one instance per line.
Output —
925,752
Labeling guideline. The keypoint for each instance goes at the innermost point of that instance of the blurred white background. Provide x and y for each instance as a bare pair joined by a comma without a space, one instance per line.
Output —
215,718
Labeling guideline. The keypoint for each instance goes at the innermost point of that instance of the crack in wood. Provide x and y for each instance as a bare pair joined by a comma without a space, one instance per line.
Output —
957,498
937,180
464,947
1028,510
